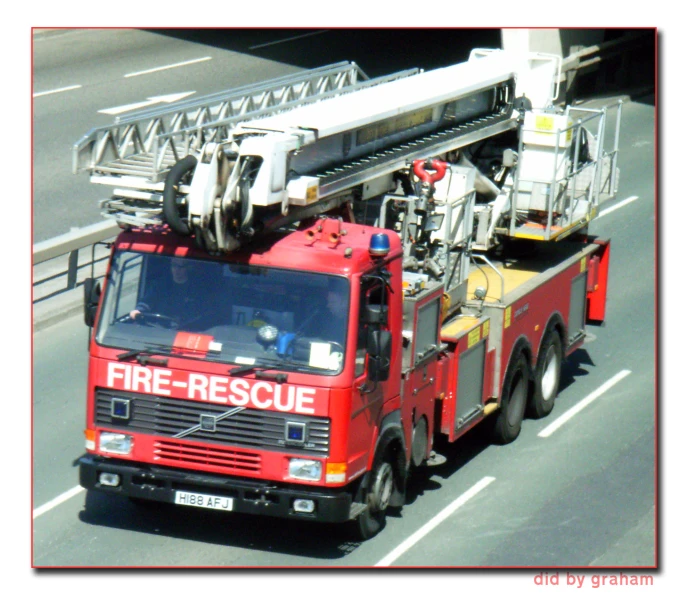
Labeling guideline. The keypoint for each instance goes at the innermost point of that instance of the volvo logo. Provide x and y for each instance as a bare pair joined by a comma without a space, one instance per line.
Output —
208,422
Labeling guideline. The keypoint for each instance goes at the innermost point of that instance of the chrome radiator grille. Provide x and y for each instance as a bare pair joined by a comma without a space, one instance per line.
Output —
249,428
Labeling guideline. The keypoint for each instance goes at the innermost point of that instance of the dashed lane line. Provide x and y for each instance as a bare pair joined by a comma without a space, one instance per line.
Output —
168,67
76,490
60,90
435,521
562,419
623,203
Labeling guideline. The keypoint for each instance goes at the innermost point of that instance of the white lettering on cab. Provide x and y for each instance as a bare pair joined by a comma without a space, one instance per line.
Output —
218,385
198,385
238,392
304,398
161,378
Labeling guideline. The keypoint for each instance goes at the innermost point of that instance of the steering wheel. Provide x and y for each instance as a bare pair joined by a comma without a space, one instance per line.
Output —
157,320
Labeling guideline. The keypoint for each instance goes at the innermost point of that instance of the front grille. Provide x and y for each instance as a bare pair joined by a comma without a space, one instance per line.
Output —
167,451
250,428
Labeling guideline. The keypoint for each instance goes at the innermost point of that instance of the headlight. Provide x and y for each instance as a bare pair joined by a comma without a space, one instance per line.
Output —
120,444
303,469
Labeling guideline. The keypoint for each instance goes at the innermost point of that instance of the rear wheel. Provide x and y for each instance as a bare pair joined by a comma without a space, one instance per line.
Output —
507,424
547,375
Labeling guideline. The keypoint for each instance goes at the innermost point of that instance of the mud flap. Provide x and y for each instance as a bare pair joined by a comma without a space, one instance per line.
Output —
598,274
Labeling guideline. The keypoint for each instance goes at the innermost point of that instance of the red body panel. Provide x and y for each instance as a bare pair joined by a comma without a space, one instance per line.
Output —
528,317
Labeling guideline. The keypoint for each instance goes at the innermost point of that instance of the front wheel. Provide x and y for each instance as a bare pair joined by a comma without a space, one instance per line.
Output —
376,495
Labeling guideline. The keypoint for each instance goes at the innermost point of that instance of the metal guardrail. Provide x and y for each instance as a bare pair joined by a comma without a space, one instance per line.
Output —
74,243
53,274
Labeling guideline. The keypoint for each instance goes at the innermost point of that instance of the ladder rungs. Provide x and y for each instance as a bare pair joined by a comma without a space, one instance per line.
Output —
135,165
400,151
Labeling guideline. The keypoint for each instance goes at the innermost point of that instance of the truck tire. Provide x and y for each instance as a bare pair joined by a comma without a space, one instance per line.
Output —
547,375
507,424
169,196
376,493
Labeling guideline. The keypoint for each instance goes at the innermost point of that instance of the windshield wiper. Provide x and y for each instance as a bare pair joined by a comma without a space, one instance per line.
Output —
260,372
143,357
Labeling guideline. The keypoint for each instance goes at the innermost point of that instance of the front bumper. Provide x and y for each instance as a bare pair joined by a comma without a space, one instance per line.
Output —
250,496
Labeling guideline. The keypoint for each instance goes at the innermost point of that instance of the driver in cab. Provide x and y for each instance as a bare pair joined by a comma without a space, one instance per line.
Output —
173,298
328,322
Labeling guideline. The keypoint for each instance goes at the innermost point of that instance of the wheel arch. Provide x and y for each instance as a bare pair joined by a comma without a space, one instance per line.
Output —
521,345
556,322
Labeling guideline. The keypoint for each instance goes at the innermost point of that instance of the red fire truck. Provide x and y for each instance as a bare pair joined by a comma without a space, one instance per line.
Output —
318,276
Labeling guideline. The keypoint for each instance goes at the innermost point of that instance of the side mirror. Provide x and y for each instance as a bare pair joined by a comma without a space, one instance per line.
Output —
91,298
379,354
375,314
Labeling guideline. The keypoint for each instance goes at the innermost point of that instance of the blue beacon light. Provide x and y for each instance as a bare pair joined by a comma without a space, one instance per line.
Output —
379,245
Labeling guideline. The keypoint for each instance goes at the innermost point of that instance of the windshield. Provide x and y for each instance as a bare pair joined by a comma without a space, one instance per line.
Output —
231,313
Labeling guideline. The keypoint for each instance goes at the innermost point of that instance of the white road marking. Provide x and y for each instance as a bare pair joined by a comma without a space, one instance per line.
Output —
177,65
171,98
561,420
57,501
623,203
436,520
264,45
60,90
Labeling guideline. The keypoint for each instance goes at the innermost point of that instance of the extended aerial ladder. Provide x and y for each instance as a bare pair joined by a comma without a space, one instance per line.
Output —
454,159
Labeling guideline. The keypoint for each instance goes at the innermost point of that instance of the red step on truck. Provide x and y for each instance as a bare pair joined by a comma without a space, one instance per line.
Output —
305,294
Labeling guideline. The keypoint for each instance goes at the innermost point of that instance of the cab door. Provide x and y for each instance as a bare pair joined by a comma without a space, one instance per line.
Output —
367,398
421,369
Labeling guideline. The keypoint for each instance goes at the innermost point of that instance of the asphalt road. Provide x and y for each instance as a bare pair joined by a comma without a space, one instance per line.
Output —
582,496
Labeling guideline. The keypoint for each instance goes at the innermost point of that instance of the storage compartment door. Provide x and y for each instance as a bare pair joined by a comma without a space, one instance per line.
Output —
469,388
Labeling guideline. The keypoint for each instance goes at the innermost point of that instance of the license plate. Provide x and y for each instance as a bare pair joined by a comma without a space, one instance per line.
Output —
203,501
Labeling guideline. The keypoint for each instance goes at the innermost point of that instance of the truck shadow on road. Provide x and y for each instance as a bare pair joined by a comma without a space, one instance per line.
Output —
249,532
572,368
